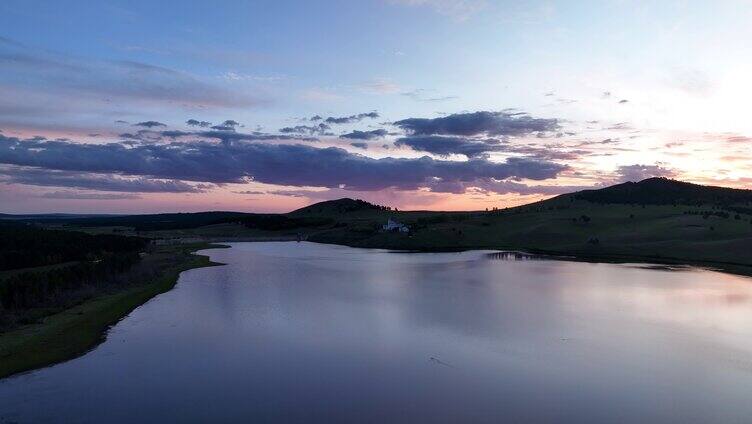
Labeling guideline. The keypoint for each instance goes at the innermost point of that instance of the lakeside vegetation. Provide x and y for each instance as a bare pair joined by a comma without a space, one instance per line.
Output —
26,246
58,311
61,289
45,271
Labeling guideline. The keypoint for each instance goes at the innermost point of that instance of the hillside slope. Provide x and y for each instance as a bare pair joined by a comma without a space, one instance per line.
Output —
663,191
339,206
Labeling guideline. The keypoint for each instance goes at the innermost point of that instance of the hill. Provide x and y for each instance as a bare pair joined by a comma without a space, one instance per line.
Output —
663,191
339,206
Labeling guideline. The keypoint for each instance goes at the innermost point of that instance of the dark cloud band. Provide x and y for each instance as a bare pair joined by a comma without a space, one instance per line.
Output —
479,123
365,135
280,164
87,181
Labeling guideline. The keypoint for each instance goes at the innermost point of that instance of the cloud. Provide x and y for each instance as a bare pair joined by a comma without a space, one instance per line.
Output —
249,192
623,101
506,187
149,124
352,118
143,136
620,126
197,123
360,145
228,125
638,172
291,193
233,136
738,139
225,136
223,128
320,129
494,186
548,152
477,123
88,196
85,181
40,80
280,164
445,146
365,135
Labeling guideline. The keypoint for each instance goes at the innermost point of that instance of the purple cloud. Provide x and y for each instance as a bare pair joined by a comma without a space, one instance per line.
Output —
352,118
149,124
445,146
479,123
280,164
86,181
639,172
365,135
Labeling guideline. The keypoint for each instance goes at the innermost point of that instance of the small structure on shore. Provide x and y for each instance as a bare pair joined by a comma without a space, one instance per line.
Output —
392,225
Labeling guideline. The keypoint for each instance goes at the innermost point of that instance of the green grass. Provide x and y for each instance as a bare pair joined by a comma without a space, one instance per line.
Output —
658,233
75,331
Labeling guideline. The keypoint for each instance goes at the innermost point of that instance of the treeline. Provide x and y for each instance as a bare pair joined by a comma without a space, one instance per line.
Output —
56,287
26,246
153,222
85,265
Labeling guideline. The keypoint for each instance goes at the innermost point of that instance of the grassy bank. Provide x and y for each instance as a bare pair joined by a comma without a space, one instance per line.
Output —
71,333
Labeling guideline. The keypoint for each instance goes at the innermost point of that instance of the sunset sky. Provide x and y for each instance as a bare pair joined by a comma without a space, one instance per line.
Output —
146,106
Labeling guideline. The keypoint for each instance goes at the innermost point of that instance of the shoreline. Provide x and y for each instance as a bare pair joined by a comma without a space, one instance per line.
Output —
733,268
73,332
724,267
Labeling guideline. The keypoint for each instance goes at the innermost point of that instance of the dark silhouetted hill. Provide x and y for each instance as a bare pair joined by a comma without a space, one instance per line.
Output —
338,206
664,191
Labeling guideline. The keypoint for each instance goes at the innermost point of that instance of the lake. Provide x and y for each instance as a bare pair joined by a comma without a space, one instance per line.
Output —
303,332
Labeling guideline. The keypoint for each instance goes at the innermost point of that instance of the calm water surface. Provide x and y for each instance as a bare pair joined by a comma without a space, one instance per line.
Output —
300,332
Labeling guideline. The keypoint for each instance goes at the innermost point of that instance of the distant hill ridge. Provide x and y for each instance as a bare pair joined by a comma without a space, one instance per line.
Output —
343,205
664,191
652,191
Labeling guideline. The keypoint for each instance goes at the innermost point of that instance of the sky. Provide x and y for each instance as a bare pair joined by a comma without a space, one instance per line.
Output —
266,106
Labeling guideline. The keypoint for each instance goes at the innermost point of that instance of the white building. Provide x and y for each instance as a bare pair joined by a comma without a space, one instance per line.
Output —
392,225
